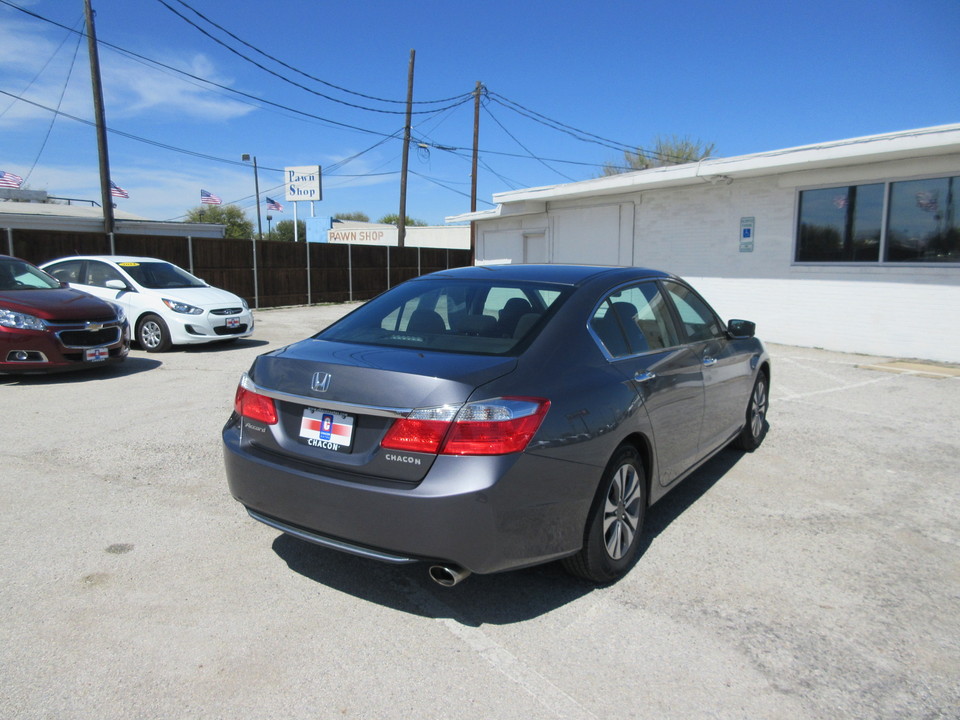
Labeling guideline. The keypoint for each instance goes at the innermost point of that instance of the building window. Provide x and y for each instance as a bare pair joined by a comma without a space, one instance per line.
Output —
922,225
846,224
840,224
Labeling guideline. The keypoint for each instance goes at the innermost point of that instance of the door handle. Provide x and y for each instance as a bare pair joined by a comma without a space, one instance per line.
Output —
708,361
644,376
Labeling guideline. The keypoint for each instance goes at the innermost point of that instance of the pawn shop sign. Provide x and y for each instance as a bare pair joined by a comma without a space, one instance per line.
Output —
302,183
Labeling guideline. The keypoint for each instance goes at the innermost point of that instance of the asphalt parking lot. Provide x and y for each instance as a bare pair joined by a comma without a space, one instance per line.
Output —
816,578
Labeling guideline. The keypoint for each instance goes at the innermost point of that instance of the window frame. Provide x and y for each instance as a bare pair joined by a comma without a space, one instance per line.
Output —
881,261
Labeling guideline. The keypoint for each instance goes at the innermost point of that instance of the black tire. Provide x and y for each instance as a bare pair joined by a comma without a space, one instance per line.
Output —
755,427
153,335
615,523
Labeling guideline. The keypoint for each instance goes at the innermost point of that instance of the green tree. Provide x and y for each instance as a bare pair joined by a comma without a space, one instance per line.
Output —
283,230
673,150
230,215
355,216
394,218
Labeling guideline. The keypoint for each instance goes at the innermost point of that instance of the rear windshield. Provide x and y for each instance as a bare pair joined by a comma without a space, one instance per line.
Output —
459,316
160,275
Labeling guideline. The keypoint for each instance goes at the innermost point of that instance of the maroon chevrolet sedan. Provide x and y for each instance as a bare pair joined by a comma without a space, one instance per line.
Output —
46,327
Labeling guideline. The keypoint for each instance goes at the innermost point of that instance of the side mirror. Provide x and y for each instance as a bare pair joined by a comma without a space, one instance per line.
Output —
741,329
116,285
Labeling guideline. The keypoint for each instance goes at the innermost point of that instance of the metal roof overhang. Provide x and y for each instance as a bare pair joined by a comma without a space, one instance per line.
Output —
69,223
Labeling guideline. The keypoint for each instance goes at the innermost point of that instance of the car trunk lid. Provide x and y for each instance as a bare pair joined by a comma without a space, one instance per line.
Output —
336,401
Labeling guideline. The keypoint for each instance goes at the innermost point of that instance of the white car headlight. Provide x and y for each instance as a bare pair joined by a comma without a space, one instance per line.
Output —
182,307
21,321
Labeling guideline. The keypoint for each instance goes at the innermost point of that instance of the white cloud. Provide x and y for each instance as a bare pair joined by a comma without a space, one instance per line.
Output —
136,89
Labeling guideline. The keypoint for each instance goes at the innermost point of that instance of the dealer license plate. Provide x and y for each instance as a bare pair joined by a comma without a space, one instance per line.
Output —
326,429
233,323
96,354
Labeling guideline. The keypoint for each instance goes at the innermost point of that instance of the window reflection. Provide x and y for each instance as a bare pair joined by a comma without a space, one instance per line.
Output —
843,224
840,224
922,224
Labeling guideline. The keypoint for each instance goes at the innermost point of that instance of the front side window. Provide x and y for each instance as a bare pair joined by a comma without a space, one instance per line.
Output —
696,318
99,273
923,224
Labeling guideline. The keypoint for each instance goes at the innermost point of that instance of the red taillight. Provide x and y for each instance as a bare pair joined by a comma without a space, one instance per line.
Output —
490,427
252,405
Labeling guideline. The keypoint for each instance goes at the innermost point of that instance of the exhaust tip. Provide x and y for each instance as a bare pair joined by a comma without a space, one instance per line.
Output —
448,575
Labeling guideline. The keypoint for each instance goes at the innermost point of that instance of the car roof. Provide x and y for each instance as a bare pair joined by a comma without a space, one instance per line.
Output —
550,273
111,258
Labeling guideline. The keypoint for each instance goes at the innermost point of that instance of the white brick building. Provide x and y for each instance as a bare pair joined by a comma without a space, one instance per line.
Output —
851,245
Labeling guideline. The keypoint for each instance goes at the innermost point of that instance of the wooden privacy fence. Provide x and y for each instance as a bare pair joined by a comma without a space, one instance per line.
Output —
337,273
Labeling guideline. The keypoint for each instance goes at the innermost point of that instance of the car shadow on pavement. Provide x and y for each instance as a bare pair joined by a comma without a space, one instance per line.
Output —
131,366
498,599
225,346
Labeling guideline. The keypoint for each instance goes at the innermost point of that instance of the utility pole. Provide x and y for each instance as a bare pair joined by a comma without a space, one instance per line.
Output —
402,222
106,197
473,172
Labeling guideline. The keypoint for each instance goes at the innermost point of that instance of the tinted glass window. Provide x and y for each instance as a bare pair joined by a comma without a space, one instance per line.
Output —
451,316
634,320
840,224
698,321
923,224
160,275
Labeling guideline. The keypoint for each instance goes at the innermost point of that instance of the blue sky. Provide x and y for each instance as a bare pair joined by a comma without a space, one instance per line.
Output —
746,76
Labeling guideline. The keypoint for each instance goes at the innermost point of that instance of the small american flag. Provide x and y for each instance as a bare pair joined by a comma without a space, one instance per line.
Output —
929,201
118,191
9,180
208,198
274,205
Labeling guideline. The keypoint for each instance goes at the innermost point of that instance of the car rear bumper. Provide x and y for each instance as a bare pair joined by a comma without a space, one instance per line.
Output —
485,514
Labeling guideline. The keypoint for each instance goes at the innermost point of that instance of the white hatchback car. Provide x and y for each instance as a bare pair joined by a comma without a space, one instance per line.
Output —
165,304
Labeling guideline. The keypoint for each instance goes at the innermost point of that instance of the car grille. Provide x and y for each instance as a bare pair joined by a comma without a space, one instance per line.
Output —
241,328
89,338
226,311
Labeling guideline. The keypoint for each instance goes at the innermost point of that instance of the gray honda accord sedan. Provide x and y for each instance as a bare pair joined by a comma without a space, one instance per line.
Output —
489,418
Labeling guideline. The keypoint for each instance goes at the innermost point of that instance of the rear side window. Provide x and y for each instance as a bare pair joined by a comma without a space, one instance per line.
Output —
634,320
462,316
67,271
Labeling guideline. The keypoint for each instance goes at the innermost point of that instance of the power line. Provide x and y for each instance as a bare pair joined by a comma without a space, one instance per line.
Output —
529,152
200,79
308,75
53,117
285,79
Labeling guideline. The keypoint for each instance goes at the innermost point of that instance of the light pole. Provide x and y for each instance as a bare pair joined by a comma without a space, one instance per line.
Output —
256,186
269,227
